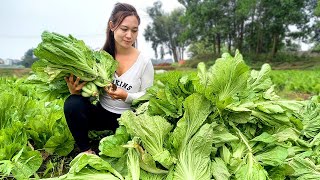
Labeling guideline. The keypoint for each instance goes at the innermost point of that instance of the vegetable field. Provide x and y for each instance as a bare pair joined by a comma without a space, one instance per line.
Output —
300,81
220,122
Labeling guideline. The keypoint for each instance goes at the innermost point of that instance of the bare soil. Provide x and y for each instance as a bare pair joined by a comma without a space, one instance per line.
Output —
295,95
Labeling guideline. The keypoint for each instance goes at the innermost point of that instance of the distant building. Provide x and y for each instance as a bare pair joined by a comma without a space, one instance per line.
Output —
9,62
15,61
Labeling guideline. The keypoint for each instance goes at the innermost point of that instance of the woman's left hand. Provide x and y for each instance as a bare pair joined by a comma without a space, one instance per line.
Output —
117,94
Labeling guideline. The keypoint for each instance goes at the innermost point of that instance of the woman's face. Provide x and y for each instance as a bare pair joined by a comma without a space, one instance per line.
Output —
126,33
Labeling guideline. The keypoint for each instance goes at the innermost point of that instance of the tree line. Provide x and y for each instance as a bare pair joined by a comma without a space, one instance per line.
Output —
252,26
210,26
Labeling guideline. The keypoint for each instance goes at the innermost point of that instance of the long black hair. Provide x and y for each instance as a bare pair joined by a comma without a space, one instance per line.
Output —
119,12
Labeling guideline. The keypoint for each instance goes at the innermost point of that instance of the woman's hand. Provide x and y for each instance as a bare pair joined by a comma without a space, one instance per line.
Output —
116,94
74,86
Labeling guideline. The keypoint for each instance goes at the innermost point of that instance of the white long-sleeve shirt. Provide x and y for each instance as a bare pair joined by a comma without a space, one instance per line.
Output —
135,81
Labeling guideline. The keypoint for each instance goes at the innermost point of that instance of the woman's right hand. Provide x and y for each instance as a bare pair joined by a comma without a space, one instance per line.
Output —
74,86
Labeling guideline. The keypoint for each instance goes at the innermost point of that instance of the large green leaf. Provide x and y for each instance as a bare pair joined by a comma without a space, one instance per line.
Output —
12,140
113,145
152,130
23,165
87,173
133,162
61,144
219,169
194,158
273,157
251,170
304,168
196,110
260,80
84,161
225,79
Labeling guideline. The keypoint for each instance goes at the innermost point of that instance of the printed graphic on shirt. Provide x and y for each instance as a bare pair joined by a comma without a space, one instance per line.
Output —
122,84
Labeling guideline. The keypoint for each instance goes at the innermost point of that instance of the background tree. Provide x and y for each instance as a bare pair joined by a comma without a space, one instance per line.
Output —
205,21
316,27
165,30
28,59
252,26
162,53
280,16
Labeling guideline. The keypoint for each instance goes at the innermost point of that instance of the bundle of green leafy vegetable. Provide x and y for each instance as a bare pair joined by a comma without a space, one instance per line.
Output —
224,122
59,56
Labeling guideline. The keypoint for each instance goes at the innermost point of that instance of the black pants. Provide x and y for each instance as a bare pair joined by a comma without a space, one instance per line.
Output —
82,116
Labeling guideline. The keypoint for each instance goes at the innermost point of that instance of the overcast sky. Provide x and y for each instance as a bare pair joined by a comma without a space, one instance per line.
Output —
23,21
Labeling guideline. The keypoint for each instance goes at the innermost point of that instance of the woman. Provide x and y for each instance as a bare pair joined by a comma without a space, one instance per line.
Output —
133,76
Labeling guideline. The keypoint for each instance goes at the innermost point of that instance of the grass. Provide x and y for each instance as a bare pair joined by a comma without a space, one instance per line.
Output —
19,72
